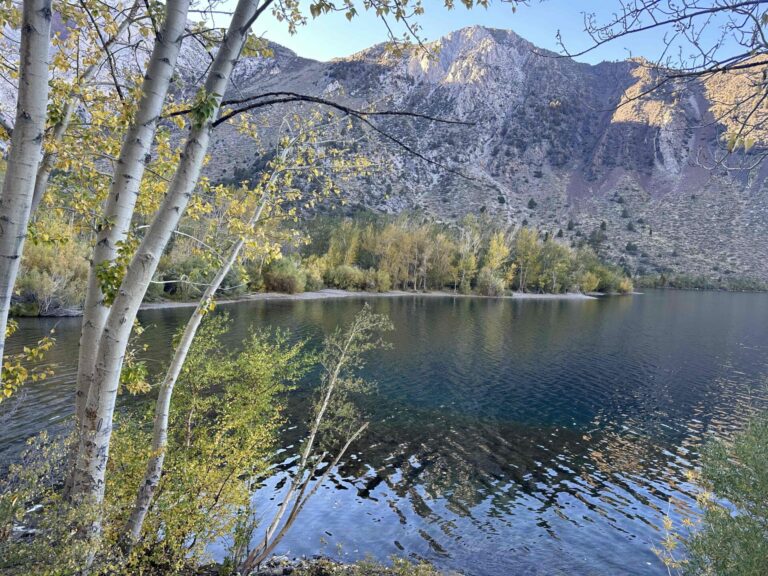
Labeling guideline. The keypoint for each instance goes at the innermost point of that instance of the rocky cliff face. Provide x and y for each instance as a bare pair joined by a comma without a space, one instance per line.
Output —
548,147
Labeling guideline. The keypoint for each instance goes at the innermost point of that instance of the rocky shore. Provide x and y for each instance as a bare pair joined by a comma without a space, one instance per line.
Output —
324,566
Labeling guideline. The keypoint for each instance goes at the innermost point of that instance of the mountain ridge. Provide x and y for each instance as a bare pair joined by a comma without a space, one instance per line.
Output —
547,132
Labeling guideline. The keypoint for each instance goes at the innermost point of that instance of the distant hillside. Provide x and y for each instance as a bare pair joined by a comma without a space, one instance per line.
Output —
548,148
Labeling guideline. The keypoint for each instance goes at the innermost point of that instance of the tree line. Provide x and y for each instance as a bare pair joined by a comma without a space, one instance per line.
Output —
380,253
367,252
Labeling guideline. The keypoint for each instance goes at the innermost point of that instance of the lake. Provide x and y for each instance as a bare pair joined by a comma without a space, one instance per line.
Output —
507,437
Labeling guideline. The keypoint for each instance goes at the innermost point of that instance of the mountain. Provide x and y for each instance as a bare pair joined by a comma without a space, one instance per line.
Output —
548,147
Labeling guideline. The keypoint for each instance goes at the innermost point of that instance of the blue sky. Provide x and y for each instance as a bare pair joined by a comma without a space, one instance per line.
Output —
331,35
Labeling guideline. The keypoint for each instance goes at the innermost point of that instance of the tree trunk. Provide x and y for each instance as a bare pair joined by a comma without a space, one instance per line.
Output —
49,158
96,430
163,403
301,480
260,554
26,144
123,193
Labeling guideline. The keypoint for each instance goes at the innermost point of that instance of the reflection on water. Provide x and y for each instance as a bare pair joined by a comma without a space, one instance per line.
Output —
507,437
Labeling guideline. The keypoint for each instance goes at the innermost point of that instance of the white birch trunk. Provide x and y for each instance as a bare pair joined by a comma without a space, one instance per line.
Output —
26,144
124,191
49,158
96,428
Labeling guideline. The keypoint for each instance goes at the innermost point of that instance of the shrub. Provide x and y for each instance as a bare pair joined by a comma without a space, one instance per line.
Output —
729,536
285,275
609,280
399,567
224,420
29,496
184,276
370,280
732,539
625,286
54,273
489,284
383,281
255,273
377,280
588,282
346,277
685,282
314,268
234,282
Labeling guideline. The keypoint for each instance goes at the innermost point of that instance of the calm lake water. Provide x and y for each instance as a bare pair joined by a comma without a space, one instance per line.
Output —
508,437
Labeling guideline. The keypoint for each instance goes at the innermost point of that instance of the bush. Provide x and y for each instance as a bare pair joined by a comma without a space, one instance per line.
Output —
54,273
222,432
377,280
588,282
255,275
729,538
733,538
609,279
399,567
314,269
685,282
383,281
346,277
184,276
625,286
489,284
369,282
29,496
234,282
285,275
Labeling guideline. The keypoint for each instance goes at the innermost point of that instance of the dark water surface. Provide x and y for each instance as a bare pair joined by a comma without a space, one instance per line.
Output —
508,437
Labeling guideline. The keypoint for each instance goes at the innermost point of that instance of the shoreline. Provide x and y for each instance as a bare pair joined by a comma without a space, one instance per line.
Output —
328,294
333,294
